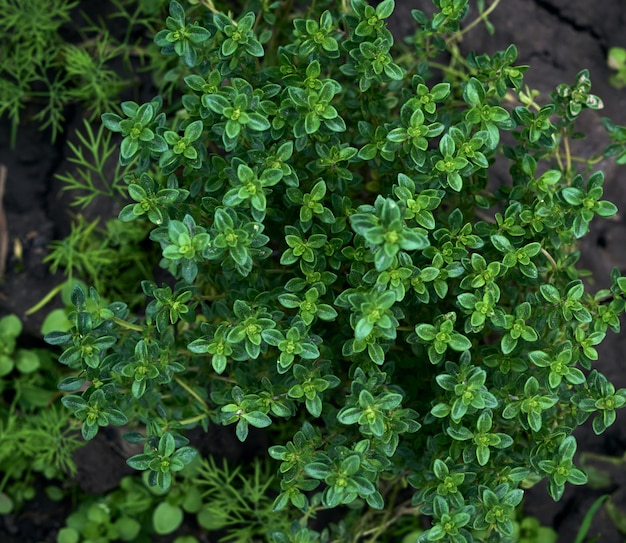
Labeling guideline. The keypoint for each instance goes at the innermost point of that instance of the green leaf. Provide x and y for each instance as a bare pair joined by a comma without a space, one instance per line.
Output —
385,9
229,46
88,430
577,477
311,122
116,417
455,182
319,190
257,419
349,415
363,328
397,135
459,433
441,410
194,130
167,445
413,241
71,384
474,93
140,461
314,406
26,361
482,454
550,293
166,518
508,344
271,176
254,48
459,342
73,403
241,429
65,534
426,332
111,121
375,500
573,195
58,338
215,102
393,71
326,312
440,469
258,122
501,243
197,34
605,209
446,145
317,470
128,528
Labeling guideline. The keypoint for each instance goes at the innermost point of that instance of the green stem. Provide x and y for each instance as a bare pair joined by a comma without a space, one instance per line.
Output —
589,161
448,69
127,325
191,420
550,259
47,298
4,480
483,16
210,6
568,156
191,392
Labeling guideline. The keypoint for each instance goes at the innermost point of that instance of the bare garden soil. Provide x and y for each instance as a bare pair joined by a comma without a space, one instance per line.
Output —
557,38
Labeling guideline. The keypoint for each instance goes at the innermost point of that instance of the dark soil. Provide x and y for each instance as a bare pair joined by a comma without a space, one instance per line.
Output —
557,38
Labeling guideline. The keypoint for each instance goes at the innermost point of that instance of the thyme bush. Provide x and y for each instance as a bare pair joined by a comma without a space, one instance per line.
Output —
349,275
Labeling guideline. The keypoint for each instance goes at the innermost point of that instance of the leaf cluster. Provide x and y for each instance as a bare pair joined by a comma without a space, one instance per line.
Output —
344,275
35,437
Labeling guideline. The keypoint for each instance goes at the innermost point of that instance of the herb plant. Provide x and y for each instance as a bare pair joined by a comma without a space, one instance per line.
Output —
108,256
35,437
54,57
234,501
347,274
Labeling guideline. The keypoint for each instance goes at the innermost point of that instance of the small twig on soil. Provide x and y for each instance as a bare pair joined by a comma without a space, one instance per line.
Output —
4,230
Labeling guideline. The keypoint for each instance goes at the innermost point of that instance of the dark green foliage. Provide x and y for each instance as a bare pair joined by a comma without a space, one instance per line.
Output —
36,438
346,276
